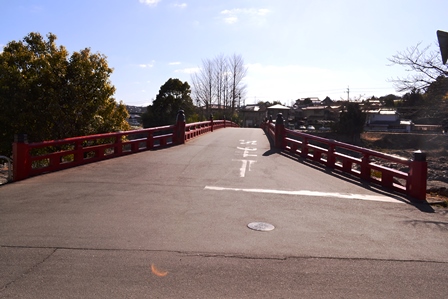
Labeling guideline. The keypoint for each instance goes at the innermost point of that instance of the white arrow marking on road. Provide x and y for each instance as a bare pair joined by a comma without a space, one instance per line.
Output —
309,193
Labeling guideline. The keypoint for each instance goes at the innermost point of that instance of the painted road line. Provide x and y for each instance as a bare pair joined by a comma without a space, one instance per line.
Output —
244,166
309,193
246,152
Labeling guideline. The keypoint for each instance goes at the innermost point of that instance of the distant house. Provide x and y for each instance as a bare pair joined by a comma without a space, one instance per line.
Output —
135,115
318,114
136,109
371,104
134,120
253,115
386,121
214,109
314,100
274,110
314,113
327,102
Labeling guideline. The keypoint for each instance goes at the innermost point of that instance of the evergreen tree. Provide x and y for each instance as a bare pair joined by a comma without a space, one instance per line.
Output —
351,121
173,96
48,95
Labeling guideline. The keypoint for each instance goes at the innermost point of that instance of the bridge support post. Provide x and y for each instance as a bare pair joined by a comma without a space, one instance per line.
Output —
179,134
418,173
21,157
279,132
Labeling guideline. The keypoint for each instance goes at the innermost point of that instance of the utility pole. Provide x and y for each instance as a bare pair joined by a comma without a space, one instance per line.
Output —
348,93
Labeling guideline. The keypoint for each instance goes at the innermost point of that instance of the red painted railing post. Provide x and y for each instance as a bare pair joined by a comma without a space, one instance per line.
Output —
179,134
418,173
304,148
331,159
279,132
118,149
211,122
79,154
21,157
365,168
150,140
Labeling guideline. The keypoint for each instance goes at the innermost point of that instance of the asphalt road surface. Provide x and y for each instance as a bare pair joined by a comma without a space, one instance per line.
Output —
173,223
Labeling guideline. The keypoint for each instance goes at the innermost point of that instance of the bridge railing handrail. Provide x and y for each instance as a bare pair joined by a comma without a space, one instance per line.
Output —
31,159
407,176
69,140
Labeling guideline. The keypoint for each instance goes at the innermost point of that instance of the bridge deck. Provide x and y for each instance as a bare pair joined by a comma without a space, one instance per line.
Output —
96,230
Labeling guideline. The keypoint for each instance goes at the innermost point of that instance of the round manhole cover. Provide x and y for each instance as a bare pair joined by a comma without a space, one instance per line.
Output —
261,226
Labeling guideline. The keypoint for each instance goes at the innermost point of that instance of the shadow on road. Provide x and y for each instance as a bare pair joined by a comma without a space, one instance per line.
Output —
272,151
424,207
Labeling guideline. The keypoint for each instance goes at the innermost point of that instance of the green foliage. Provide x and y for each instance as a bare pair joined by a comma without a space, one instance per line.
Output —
173,96
438,89
351,121
414,98
389,100
48,95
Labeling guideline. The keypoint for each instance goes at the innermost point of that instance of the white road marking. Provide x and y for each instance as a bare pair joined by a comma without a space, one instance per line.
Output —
246,151
309,193
254,142
244,166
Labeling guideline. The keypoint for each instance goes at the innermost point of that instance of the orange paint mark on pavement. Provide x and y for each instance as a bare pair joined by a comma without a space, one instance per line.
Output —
158,272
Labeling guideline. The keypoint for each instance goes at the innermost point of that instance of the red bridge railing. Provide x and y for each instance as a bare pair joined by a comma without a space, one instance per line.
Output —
30,159
392,172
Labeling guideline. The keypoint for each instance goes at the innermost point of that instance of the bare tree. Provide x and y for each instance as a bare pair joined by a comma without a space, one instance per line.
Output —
220,82
220,64
424,65
237,71
203,84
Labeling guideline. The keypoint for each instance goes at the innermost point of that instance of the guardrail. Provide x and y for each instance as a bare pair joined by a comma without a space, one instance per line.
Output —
30,159
392,172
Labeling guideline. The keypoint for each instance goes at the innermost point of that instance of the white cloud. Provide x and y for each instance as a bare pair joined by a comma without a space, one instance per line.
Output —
180,5
174,63
148,65
149,2
231,19
231,16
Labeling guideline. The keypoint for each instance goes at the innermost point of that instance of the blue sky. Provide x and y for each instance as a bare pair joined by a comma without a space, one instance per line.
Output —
292,48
